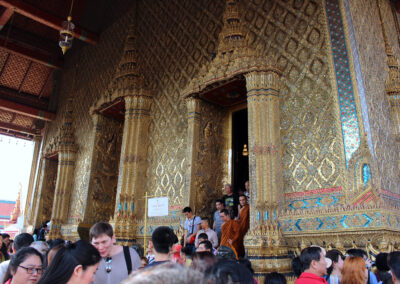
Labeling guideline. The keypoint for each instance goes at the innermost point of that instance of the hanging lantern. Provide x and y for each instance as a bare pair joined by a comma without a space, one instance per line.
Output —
245,152
66,35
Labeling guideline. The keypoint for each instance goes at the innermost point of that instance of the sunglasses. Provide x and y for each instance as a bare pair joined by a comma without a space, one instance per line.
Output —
108,264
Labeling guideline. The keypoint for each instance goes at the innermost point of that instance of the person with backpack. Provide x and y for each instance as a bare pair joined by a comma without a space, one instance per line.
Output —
117,261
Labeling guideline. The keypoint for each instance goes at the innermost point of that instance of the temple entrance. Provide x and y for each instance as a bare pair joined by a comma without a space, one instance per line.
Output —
240,158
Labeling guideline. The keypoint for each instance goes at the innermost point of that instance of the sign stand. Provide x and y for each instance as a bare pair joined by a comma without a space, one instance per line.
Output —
146,198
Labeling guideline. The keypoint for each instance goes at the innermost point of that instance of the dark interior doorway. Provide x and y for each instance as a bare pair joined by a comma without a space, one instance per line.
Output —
239,139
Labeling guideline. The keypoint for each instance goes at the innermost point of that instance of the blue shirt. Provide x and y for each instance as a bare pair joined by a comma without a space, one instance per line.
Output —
218,221
191,225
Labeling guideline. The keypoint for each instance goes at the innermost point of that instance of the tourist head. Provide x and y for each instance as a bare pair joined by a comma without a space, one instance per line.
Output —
187,211
313,260
144,262
22,240
224,214
202,260
205,246
243,200
162,239
202,237
274,278
381,261
219,204
167,273
52,252
228,189
337,259
56,243
205,223
247,185
102,237
354,270
394,265
226,253
40,246
6,238
296,266
229,271
25,266
73,263
186,252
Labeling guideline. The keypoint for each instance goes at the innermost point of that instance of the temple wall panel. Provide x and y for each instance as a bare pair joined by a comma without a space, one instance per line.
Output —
173,46
86,75
47,184
104,173
296,34
372,60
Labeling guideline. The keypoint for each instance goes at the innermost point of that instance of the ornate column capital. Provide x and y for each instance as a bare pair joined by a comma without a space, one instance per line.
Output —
138,102
266,82
193,107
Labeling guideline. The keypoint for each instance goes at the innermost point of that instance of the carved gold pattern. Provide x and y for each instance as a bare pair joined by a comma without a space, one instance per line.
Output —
42,208
128,83
104,176
392,83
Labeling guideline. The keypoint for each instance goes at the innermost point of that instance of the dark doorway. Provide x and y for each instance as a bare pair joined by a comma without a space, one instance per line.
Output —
239,139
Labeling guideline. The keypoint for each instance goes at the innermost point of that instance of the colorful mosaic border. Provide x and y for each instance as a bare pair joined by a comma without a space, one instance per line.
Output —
348,111
322,201
341,221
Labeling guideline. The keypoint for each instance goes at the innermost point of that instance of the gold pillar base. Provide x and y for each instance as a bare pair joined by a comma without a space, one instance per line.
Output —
125,230
267,250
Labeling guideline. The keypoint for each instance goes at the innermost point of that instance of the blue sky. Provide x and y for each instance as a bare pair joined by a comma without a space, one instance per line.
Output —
15,166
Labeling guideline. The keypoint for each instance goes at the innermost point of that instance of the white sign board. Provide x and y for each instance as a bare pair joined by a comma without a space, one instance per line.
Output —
157,207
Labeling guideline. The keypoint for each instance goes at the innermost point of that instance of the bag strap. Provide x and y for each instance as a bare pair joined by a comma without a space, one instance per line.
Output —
128,259
193,224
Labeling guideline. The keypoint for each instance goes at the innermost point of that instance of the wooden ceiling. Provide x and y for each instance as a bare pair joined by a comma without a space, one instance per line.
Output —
29,58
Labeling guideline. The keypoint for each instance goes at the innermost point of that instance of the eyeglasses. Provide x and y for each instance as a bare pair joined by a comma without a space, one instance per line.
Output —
108,264
30,270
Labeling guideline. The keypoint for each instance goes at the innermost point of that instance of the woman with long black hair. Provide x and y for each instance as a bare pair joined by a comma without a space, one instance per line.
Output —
73,263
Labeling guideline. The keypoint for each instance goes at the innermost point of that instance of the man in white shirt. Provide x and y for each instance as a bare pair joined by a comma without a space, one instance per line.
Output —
205,228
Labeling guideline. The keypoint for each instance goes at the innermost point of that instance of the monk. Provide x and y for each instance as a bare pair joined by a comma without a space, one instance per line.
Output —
244,223
230,231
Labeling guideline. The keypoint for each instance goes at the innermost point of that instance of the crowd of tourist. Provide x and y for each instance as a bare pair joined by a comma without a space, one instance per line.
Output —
205,254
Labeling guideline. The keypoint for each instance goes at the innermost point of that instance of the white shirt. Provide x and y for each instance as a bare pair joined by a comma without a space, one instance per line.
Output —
3,269
212,237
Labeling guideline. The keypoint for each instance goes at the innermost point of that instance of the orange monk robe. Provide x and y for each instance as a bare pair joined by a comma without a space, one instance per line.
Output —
244,220
230,230
244,223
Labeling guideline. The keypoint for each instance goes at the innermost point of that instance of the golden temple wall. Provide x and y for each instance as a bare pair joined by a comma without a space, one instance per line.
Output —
176,38
372,59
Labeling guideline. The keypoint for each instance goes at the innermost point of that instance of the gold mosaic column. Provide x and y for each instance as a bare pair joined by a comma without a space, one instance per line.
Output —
193,107
65,174
265,144
264,241
132,168
65,149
